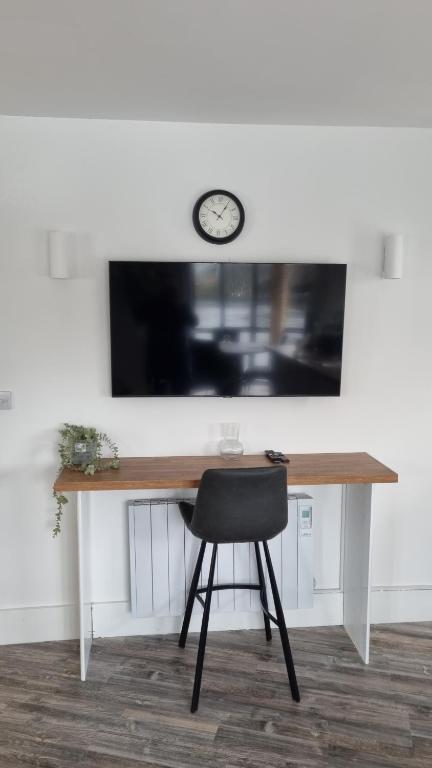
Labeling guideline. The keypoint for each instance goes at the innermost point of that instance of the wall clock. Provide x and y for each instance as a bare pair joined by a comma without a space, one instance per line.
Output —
218,216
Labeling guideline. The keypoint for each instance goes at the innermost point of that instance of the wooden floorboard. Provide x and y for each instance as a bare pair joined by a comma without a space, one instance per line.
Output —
134,708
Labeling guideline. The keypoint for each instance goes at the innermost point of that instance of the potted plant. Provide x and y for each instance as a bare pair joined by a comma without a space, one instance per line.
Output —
81,448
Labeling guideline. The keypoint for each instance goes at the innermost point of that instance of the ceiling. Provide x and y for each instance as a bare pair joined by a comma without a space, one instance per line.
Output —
315,62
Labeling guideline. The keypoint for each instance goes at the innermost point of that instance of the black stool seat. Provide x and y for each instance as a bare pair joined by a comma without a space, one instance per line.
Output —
233,506
236,505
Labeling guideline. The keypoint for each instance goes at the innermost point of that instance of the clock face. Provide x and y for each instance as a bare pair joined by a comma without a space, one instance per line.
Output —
218,216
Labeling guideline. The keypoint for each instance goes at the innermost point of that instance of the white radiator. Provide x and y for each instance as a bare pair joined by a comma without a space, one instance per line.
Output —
163,555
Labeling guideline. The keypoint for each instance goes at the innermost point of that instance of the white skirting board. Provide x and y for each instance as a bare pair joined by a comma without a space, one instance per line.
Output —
396,604
115,619
39,623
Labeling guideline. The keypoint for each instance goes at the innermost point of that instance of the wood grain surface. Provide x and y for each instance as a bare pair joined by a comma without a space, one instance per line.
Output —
186,471
134,709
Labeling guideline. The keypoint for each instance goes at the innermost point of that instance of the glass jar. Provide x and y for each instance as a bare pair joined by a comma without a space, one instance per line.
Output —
230,446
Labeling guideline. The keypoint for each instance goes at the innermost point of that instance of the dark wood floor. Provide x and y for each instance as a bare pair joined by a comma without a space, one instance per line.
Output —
134,709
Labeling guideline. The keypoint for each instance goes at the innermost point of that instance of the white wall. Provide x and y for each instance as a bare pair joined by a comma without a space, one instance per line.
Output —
310,194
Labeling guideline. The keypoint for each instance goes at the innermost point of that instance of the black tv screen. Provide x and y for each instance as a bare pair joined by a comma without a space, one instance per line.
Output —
225,329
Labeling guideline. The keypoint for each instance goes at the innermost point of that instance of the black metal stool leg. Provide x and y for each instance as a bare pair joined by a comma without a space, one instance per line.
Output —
203,635
191,596
282,627
261,580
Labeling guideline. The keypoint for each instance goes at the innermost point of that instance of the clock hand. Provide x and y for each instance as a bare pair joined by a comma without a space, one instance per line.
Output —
220,216
212,211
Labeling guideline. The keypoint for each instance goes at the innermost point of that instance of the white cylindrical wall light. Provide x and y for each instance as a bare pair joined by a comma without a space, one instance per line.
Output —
60,253
394,247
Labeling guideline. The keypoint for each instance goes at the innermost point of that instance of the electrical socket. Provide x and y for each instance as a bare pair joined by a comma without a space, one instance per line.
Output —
5,401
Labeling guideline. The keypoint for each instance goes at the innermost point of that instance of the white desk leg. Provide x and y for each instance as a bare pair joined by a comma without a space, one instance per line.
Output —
85,617
356,568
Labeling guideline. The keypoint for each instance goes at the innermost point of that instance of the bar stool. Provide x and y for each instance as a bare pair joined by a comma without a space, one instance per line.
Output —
237,505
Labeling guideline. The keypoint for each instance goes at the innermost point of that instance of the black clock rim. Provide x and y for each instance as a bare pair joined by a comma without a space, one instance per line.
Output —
205,235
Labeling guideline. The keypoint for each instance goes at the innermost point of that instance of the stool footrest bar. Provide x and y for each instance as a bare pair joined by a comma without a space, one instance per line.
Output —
228,586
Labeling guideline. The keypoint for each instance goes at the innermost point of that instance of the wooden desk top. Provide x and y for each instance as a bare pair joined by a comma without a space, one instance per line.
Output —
185,471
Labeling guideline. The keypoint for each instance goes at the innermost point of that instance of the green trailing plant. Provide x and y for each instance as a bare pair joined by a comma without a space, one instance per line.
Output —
81,449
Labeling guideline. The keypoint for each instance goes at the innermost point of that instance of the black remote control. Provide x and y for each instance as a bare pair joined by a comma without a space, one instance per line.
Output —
276,457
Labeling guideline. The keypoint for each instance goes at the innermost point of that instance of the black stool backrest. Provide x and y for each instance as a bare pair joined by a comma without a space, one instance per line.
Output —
235,505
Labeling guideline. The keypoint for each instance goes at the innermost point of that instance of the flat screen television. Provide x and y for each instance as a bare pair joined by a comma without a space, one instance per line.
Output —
226,329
